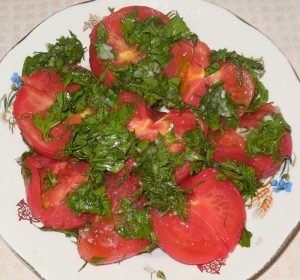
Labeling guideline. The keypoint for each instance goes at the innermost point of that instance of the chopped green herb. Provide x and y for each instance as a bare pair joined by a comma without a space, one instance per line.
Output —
57,113
89,198
156,166
246,238
265,139
148,80
68,232
242,176
135,224
216,107
103,140
67,50
261,94
104,51
50,180
153,37
224,55
161,275
97,260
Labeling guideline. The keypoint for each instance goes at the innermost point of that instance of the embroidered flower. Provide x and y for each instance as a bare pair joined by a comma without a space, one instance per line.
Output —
16,79
281,185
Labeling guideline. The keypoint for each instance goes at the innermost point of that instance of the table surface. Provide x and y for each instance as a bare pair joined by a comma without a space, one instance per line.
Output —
278,19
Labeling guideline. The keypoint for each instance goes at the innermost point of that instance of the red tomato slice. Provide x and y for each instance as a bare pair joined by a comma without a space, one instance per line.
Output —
232,146
182,56
216,216
36,96
252,119
125,53
48,205
141,123
188,64
101,242
238,83
182,172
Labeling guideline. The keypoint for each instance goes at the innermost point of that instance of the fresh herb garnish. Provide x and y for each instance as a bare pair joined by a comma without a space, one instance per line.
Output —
89,198
135,224
153,37
104,51
242,176
216,107
103,140
57,113
156,166
49,180
254,66
224,55
148,80
265,139
246,238
67,50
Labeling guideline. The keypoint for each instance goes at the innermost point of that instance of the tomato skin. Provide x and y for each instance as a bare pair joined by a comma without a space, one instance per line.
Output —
204,236
125,53
48,206
36,96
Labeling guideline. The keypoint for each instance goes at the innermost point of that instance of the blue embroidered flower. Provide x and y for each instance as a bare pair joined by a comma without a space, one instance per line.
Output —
15,78
281,185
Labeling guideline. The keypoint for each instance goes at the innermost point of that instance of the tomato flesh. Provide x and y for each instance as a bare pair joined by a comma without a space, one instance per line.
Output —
48,205
36,96
216,216
125,54
101,240
232,146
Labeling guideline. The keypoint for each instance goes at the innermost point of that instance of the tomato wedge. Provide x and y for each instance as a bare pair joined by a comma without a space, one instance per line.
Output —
100,241
102,245
36,96
232,146
188,63
125,54
216,216
238,83
49,184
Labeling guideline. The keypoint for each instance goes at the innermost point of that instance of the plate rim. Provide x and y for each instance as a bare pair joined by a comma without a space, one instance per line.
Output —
295,230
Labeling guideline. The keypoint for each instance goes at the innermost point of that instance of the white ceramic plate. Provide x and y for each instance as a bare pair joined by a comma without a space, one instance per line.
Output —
52,255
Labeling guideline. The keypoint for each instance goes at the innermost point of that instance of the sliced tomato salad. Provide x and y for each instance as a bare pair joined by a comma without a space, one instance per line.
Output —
161,145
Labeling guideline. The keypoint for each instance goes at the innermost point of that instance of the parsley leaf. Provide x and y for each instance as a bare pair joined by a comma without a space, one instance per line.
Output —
103,140
246,238
156,166
153,37
89,199
104,51
49,180
57,113
135,224
224,55
242,176
216,107
265,139
67,50
148,80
